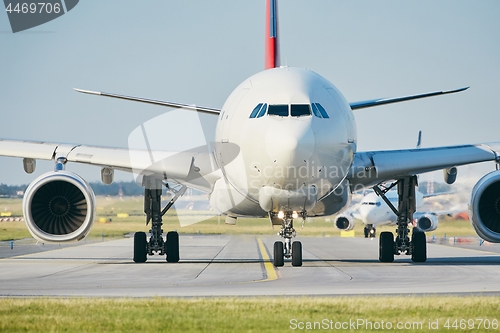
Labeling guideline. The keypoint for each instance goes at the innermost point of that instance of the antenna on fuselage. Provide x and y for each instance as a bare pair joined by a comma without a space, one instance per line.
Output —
419,140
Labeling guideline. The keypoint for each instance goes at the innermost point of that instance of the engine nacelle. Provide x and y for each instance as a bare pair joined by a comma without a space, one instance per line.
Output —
344,222
450,175
427,222
484,207
59,207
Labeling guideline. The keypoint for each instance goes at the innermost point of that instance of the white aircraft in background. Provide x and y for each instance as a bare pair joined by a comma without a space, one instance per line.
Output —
374,212
285,148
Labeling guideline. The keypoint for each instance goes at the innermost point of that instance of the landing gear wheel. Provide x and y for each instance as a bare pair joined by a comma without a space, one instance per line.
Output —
140,247
370,231
297,254
386,247
419,247
172,246
279,256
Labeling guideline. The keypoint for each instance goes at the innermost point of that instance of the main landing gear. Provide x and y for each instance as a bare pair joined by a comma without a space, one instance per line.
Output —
154,213
288,249
417,246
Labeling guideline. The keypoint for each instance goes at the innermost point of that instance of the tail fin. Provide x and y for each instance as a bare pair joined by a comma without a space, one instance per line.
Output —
271,37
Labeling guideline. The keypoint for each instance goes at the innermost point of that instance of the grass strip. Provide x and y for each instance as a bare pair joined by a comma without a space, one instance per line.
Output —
318,228
108,209
268,314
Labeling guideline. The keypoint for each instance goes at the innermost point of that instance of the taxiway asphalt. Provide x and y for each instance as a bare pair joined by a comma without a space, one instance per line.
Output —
235,265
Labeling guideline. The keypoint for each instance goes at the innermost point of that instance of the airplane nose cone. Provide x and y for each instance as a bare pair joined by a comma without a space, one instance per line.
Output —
362,213
281,143
290,143
366,214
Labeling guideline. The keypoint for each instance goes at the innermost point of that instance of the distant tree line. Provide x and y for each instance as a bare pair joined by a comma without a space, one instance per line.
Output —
132,189
115,189
12,190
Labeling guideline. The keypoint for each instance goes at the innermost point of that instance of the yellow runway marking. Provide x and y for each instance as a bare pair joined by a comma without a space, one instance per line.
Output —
344,233
270,270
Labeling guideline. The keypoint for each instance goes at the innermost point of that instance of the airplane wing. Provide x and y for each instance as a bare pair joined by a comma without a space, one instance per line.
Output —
213,111
194,167
371,168
152,101
383,101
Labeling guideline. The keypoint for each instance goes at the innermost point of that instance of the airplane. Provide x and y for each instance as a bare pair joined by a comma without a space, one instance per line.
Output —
285,147
373,212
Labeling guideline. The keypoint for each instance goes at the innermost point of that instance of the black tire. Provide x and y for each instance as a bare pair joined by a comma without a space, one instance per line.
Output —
172,246
419,247
374,233
386,247
297,254
279,255
140,247
367,231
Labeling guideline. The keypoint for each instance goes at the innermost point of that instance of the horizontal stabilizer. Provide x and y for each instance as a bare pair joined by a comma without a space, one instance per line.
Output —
152,101
382,101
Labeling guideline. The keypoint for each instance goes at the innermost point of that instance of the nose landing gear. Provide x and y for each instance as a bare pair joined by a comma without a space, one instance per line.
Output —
288,249
370,231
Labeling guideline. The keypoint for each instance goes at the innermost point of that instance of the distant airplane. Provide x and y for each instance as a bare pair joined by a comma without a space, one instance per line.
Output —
374,212
285,147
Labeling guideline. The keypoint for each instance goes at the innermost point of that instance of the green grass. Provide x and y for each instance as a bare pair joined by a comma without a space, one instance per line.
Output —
13,206
122,226
109,207
237,314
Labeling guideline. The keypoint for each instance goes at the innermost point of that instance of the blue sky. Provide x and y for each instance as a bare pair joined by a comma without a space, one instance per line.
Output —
197,52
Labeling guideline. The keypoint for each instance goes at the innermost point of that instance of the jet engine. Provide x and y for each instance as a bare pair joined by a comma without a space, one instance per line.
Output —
484,207
59,207
427,222
344,222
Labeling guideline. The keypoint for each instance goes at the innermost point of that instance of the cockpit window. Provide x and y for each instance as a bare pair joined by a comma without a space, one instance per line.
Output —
321,110
316,111
259,111
256,110
299,110
262,111
278,110
285,110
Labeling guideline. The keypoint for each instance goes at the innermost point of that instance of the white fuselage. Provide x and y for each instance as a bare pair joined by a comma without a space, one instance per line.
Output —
374,211
282,158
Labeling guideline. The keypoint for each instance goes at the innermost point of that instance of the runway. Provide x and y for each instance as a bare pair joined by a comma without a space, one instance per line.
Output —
215,265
